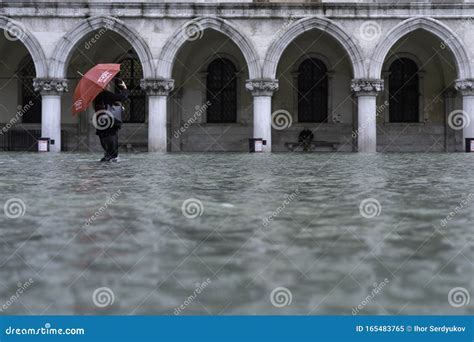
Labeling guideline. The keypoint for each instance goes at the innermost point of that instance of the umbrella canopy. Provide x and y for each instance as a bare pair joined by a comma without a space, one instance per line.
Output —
91,84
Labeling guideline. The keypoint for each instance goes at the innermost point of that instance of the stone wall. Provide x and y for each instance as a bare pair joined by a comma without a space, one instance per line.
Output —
150,28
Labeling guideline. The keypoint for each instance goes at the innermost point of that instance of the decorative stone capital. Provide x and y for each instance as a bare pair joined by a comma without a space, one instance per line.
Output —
50,86
465,87
262,86
157,86
366,86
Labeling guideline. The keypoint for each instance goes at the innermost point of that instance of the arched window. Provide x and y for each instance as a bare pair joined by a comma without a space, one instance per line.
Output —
403,91
221,91
312,91
131,73
26,73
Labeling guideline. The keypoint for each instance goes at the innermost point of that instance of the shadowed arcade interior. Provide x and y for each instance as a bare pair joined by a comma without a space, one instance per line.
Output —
210,109
419,73
20,105
314,74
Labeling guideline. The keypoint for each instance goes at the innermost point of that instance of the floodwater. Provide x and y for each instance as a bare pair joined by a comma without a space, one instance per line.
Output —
190,234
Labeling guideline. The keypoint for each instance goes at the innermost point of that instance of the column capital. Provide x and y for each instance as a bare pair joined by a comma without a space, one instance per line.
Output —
262,86
366,86
50,86
157,86
465,86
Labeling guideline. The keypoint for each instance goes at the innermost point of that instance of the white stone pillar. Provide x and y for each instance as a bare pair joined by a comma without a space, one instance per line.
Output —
466,119
157,93
51,91
262,91
366,92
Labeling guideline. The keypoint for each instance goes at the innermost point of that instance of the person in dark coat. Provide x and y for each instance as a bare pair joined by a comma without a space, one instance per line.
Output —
305,138
109,135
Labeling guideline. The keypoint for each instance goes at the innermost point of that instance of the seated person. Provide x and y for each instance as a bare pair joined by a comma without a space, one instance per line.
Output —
305,138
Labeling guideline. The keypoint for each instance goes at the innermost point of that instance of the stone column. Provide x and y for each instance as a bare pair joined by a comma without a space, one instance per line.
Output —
262,91
51,90
466,88
366,92
157,93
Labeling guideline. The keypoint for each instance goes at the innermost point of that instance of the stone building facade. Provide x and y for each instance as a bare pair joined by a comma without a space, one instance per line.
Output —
207,76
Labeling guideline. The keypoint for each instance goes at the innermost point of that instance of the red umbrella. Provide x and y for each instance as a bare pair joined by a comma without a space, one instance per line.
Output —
91,84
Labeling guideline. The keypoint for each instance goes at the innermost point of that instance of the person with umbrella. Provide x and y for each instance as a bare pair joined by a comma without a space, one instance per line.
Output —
97,86
109,104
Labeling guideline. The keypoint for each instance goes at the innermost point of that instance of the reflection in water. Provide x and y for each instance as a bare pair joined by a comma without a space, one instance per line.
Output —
317,244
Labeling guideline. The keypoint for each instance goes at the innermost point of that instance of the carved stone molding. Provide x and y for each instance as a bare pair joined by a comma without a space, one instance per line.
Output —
366,86
262,87
465,87
158,86
50,86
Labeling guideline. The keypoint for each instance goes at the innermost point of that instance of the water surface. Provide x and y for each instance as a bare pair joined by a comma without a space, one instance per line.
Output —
317,245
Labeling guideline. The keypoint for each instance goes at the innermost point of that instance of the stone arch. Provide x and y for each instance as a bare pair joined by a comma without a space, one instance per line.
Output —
29,41
444,33
301,26
197,26
64,48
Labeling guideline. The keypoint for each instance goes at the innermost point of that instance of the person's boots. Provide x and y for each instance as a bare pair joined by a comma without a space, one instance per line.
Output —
109,148
114,148
104,147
